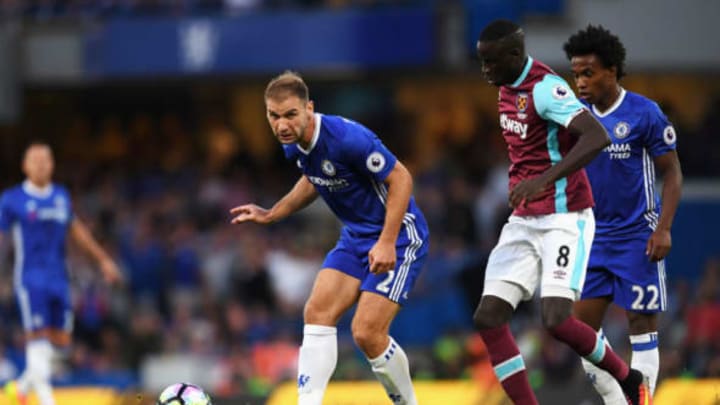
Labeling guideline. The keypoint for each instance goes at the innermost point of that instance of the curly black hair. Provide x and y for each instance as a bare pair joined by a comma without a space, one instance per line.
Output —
598,41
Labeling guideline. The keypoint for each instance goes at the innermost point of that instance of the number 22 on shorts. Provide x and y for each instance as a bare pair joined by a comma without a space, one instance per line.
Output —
640,293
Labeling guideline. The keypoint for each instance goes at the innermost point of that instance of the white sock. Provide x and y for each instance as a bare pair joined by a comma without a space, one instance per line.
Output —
393,371
316,363
604,383
646,357
39,370
23,382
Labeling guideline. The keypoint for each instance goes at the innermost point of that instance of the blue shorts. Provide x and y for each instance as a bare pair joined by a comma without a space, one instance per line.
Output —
44,304
350,256
620,269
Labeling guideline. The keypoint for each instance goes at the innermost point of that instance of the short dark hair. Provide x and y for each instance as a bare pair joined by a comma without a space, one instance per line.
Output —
498,29
598,41
287,83
38,143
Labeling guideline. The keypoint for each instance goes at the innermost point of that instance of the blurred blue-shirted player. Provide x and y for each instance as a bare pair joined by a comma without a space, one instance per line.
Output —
632,234
38,215
381,249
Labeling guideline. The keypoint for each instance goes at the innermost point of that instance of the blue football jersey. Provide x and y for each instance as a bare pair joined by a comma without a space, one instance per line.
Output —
348,164
622,176
38,223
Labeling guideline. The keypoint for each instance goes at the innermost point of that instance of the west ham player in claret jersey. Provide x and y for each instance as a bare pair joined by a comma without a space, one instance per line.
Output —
381,249
632,235
38,214
550,137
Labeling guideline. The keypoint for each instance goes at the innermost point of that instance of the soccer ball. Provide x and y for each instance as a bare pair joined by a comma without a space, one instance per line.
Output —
183,394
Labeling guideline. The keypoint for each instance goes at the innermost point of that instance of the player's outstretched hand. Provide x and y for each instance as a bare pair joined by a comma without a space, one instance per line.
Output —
111,273
252,213
658,245
526,191
382,257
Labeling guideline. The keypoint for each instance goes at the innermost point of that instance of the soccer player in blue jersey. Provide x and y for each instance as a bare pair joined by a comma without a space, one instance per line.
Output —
38,214
381,249
632,234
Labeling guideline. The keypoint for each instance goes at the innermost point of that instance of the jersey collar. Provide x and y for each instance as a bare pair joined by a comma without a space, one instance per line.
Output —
613,107
35,191
524,73
316,135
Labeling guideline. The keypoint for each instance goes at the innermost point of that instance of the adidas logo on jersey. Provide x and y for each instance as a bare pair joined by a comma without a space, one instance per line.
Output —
509,124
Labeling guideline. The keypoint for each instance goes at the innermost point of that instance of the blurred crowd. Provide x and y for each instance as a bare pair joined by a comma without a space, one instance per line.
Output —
156,187
42,10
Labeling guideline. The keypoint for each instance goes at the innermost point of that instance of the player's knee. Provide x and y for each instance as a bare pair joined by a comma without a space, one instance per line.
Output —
60,338
315,314
368,339
489,316
641,323
555,312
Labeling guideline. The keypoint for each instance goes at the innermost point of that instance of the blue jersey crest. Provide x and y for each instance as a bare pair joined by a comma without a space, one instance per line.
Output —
623,174
348,164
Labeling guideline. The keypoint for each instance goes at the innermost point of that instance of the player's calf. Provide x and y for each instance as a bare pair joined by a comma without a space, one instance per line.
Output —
508,364
392,369
316,363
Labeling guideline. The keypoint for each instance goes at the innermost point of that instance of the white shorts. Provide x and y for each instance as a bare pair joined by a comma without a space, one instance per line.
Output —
552,249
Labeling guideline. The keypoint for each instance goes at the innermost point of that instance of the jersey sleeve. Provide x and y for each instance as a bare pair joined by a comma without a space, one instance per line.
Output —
6,215
660,136
367,154
555,101
70,207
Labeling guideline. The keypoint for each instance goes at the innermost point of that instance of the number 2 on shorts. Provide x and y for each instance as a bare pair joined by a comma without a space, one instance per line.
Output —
384,286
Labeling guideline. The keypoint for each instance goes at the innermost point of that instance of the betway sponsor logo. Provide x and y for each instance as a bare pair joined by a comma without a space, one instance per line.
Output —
331,184
618,150
514,126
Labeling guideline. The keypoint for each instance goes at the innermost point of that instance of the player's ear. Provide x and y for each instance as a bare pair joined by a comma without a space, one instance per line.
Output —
25,164
310,106
613,71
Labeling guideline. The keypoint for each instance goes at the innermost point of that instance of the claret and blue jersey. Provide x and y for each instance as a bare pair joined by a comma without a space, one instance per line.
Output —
38,222
348,164
535,112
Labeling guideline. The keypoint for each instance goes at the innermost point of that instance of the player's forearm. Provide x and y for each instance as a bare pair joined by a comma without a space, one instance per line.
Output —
593,138
81,235
671,191
400,186
301,195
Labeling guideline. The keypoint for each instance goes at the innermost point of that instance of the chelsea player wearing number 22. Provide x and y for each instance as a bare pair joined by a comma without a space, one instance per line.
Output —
632,234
